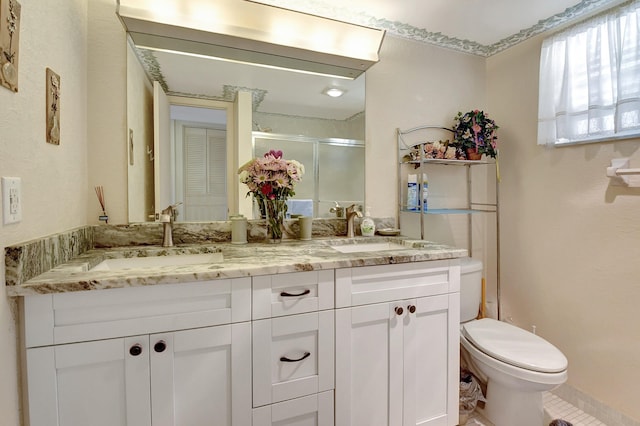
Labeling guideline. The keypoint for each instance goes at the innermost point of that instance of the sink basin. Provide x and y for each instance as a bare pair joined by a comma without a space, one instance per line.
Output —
368,247
157,261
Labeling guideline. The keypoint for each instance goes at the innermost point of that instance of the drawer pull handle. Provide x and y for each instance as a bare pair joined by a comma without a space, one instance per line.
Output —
412,308
399,310
304,293
285,359
135,350
160,346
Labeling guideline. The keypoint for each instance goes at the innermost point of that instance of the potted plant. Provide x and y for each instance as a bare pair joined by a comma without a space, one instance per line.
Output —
475,134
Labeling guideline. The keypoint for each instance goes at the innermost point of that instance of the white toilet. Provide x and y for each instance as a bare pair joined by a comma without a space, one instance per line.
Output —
519,365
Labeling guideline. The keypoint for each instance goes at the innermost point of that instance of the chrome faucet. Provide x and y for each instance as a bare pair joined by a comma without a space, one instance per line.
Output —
338,210
351,214
167,216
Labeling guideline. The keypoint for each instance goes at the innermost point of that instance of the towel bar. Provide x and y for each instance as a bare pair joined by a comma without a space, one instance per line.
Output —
619,170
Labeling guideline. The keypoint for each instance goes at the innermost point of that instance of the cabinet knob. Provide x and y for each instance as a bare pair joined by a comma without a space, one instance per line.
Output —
399,310
160,346
412,308
135,350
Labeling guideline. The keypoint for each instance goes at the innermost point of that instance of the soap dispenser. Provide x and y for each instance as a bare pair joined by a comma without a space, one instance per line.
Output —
367,225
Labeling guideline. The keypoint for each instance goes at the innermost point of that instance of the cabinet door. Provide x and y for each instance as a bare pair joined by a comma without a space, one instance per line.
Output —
312,410
101,383
202,376
366,342
431,361
405,355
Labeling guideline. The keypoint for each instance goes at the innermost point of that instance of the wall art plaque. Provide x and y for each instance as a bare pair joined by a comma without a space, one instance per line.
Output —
9,46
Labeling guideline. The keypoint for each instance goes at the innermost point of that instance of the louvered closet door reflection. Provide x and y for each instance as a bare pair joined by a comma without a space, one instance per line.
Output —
205,171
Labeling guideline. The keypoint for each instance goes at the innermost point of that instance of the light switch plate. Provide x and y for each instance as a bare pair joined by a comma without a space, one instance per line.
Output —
11,200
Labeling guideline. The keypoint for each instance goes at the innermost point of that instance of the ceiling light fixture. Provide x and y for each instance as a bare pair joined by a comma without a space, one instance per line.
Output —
334,92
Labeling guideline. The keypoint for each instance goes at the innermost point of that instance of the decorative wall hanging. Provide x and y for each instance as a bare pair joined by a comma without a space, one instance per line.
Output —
9,37
53,107
131,147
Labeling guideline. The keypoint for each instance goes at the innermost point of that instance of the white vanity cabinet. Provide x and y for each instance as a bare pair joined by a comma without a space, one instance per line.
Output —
293,349
371,345
397,344
167,355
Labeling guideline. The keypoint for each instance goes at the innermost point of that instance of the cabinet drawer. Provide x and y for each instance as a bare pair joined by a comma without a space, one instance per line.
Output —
312,410
104,314
384,283
296,293
292,356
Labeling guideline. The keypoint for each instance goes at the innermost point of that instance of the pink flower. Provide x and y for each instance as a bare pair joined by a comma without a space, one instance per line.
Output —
270,176
277,154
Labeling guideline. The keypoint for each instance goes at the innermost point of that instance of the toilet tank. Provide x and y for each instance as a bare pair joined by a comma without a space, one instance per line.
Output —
470,288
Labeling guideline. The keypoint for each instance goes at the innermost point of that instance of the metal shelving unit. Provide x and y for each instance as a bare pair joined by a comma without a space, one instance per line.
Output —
419,164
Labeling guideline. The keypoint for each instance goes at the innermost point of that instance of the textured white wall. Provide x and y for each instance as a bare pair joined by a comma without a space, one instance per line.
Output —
139,120
416,84
413,84
107,111
53,34
570,241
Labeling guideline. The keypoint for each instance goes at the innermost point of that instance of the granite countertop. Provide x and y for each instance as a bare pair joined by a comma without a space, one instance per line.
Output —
239,261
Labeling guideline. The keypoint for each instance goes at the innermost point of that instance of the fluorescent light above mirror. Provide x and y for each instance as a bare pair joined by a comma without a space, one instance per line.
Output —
252,33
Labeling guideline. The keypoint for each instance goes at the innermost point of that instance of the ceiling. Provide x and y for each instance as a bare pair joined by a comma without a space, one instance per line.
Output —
482,27
479,27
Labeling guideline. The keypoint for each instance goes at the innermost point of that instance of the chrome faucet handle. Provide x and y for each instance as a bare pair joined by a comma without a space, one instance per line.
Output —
353,209
338,210
169,214
351,214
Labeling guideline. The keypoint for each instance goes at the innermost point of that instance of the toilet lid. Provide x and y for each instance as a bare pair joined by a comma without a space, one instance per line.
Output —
514,346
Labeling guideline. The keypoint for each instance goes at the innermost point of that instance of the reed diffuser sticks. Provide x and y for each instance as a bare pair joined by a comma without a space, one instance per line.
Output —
100,195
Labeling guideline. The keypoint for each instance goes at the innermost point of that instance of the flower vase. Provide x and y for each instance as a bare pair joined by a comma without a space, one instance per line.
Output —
473,154
275,210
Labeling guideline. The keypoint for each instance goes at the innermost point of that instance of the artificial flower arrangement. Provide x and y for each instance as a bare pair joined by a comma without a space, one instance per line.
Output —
440,150
475,133
271,179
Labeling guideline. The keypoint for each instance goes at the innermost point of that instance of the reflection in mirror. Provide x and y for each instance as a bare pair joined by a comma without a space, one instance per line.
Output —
282,102
334,171
200,151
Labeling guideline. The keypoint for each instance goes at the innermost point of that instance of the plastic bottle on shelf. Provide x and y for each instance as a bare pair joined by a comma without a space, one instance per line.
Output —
412,192
367,225
425,192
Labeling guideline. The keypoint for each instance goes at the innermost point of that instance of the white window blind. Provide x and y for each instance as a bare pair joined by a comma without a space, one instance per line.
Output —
590,80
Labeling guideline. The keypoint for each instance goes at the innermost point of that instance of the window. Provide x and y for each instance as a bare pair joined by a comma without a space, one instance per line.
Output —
590,80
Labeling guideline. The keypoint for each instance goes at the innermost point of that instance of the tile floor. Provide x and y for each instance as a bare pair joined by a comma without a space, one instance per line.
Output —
555,408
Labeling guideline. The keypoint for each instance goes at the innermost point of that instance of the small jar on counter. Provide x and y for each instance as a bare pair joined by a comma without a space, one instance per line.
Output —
238,229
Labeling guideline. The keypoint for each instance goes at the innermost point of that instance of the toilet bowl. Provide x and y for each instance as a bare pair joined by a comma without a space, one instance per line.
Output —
519,365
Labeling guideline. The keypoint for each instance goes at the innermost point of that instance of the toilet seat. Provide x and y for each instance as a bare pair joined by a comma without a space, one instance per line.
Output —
514,346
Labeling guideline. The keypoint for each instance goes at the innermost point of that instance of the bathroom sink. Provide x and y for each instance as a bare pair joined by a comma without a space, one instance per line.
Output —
157,261
369,247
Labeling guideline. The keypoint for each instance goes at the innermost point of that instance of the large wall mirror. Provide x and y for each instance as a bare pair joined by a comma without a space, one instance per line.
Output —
201,151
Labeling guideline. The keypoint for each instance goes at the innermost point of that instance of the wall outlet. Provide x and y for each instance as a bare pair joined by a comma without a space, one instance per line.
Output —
11,200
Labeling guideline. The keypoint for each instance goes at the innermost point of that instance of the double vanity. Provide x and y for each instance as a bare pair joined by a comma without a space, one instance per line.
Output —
333,331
